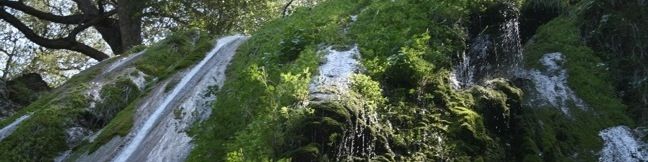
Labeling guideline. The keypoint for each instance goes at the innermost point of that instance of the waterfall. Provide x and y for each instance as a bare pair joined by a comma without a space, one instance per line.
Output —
473,62
122,61
493,52
213,60
551,84
622,145
355,141
6,131
335,74
333,85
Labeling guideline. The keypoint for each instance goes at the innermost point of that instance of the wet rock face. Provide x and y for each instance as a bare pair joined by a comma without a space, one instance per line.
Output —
495,46
335,75
75,135
340,128
163,117
622,144
551,88
499,104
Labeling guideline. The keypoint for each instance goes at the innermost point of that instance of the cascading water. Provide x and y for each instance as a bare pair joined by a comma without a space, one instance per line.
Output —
7,130
493,52
355,141
472,62
551,85
122,61
169,139
335,74
142,136
622,145
333,85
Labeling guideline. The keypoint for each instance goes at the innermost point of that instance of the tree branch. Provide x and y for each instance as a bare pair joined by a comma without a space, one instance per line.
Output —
20,6
285,9
89,24
69,44
87,7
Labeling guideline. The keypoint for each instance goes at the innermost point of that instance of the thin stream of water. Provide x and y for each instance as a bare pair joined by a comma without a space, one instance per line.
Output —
148,125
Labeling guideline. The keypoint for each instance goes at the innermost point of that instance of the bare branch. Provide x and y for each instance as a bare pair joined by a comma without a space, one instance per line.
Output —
20,6
69,44
89,24
285,9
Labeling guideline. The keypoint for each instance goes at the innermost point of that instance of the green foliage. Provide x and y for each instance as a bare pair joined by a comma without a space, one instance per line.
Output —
38,139
43,101
555,6
552,133
114,97
267,79
259,114
590,81
318,135
406,69
42,136
21,94
392,25
178,51
368,88
120,125
613,29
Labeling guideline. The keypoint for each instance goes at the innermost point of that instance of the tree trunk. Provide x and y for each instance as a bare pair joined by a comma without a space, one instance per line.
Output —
130,22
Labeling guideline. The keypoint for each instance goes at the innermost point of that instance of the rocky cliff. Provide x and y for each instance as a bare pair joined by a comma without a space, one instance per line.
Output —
385,80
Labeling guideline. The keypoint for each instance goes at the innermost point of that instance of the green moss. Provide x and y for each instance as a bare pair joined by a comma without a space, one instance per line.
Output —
612,29
177,113
114,97
120,125
43,102
178,51
268,80
42,136
555,136
21,94
264,77
406,47
169,86
23,145
591,82
498,105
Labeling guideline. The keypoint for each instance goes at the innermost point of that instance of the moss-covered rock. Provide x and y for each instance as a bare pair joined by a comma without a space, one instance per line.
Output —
27,88
407,48
64,117
20,92
499,105
614,29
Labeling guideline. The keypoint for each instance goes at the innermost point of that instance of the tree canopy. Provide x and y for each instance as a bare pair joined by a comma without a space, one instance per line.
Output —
56,36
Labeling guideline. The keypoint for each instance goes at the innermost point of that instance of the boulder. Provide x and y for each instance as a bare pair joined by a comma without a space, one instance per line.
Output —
26,88
20,92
